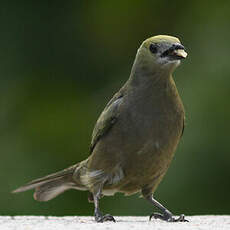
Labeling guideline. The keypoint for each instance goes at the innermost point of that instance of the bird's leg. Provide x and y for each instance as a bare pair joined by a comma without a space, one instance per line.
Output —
99,217
90,198
167,215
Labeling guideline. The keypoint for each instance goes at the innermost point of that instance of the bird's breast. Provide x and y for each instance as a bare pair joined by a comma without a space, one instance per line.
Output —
153,127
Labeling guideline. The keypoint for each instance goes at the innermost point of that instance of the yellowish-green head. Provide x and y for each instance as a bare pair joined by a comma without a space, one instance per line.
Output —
162,52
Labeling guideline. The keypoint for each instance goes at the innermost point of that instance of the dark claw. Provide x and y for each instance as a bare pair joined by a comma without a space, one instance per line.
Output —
181,218
104,218
156,215
168,218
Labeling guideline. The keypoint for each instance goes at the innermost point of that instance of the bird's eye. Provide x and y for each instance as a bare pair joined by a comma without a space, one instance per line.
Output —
153,48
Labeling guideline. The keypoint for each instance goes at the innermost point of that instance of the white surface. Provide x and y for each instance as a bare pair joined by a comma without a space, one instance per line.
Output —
123,223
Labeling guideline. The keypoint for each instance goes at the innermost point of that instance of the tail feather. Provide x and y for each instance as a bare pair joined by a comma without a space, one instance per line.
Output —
48,187
52,189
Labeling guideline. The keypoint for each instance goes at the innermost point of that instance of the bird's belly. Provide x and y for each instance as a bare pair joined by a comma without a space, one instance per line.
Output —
149,150
141,145
109,192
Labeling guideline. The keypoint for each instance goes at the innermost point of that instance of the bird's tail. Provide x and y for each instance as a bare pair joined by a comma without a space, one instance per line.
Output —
48,187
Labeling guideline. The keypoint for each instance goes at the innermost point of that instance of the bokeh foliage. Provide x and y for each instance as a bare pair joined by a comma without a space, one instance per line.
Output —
60,62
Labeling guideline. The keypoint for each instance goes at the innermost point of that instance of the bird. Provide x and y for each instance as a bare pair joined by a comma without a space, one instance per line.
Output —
135,137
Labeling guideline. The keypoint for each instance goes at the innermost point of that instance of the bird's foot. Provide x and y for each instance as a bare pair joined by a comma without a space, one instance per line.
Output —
102,218
168,217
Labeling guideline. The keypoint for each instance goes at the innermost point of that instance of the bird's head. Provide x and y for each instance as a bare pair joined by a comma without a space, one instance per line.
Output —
161,52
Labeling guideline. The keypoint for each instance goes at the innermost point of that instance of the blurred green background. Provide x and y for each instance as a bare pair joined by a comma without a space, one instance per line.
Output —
60,62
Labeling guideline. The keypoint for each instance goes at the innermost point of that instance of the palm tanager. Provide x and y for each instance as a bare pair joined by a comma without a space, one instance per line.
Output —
135,137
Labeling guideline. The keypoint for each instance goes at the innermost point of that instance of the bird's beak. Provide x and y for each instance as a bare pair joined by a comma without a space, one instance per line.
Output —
180,53
175,52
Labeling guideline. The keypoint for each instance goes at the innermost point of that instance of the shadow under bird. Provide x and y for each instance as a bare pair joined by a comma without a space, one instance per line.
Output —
135,137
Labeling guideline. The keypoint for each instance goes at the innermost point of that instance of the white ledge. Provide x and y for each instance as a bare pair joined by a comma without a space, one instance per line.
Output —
122,223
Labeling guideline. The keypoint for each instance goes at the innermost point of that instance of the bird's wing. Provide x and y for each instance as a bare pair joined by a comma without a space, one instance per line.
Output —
107,119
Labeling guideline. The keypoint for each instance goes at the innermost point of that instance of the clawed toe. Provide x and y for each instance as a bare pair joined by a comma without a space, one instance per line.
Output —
104,218
181,218
168,218
156,215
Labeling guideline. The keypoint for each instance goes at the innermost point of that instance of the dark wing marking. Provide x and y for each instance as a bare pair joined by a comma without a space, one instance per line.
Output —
107,119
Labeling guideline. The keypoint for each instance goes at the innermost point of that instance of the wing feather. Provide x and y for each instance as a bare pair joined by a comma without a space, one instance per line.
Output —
106,120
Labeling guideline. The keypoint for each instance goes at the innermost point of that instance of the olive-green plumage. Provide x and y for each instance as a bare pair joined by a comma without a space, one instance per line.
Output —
136,135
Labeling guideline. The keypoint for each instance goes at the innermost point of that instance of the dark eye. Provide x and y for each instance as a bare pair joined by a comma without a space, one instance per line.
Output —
153,48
